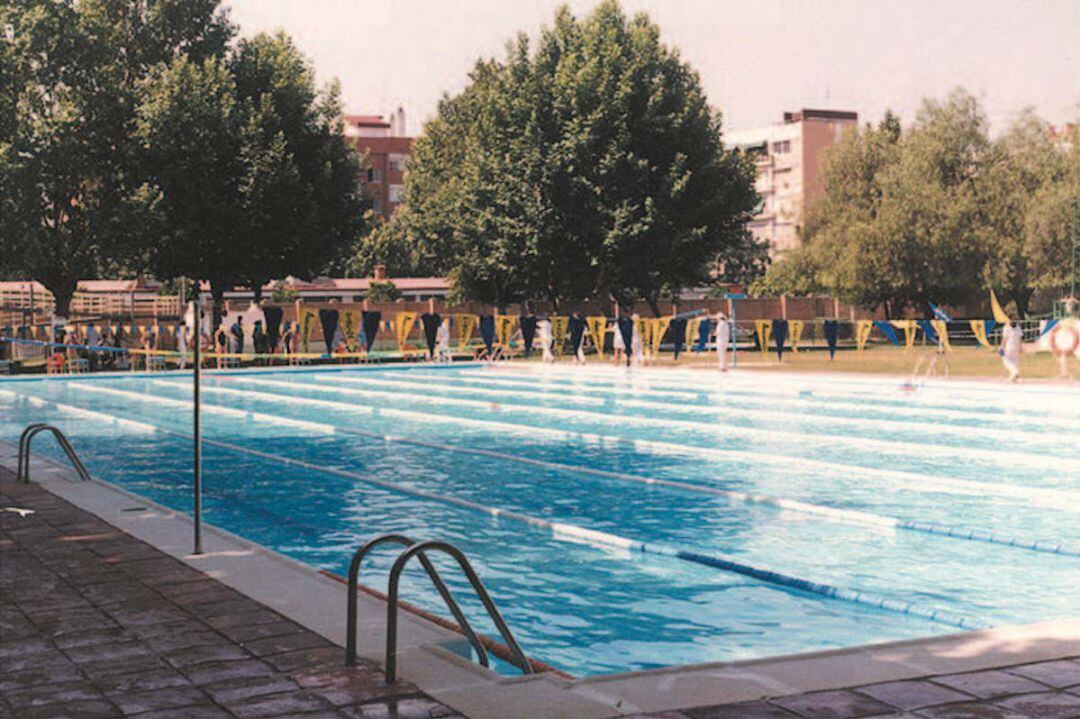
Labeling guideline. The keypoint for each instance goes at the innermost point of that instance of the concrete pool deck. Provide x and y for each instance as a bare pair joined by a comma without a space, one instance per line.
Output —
1029,671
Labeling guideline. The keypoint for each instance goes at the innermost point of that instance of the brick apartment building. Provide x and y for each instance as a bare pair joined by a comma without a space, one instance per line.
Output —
789,162
387,149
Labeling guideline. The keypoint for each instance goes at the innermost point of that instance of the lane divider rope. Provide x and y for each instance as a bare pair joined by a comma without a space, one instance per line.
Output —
562,530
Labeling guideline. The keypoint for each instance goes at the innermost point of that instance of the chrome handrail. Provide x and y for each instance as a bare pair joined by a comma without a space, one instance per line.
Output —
24,451
520,660
444,592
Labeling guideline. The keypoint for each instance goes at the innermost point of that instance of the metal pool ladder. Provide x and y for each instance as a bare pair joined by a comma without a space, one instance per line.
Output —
24,451
420,550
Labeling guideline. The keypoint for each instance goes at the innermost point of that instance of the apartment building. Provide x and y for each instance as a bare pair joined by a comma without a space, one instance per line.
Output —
386,147
789,157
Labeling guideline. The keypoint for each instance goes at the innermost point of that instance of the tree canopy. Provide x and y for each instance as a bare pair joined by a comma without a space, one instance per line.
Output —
937,213
248,175
68,89
590,166
142,136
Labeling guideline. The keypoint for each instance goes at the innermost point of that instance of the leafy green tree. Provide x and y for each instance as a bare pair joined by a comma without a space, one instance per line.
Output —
1052,224
839,236
249,176
70,75
1023,162
383,292
907,218
590,167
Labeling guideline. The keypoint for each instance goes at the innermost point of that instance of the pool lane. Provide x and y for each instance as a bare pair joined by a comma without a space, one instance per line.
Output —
584,608
770,539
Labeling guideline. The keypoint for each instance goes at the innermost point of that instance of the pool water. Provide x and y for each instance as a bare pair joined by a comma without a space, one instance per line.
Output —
625,521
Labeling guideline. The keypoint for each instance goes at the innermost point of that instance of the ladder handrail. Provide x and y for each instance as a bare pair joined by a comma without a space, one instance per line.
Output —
24,451
444,592
520,660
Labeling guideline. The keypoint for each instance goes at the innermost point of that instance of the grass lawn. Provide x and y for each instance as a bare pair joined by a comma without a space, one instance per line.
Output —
963,362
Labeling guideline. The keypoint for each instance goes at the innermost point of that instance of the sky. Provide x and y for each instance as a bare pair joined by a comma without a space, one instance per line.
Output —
756,58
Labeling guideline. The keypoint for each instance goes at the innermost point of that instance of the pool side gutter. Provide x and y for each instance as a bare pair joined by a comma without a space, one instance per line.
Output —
310,598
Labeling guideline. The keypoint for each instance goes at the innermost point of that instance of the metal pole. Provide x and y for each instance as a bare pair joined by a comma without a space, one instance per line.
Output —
734,333
197,424
1075,240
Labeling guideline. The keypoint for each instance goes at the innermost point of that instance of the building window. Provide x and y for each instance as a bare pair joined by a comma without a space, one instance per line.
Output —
374,174
781,147
376,204
397,193
398,162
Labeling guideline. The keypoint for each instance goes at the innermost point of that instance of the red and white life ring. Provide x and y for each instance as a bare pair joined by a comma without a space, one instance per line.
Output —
1064,340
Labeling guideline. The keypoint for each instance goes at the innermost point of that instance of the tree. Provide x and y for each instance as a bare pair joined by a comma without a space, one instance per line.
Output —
1024,161
248,173
1052,225
383,292
905,218
839,233
70,74
589,168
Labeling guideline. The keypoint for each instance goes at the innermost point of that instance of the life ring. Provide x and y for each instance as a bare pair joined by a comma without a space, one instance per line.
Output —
1060,349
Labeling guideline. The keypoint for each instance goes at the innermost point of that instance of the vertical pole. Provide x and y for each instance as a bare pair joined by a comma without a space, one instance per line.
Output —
197,425
734,329
1075,240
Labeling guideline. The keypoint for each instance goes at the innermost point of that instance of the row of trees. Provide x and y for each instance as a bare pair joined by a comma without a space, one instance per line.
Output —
938,213
143,136
590,166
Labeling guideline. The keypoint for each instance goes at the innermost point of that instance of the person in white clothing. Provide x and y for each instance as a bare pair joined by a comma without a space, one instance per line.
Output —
637,347
1012,340
617,344
442,342
543,335
723,340
182,346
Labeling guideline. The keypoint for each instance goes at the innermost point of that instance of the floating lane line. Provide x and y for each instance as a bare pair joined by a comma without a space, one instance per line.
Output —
1059,499
722,411
728,388
335,384
1035,407
569,532
832,513
697,380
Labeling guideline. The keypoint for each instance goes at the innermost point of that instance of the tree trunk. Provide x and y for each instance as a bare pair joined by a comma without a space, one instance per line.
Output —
63,292
654,305
217,292
1022,298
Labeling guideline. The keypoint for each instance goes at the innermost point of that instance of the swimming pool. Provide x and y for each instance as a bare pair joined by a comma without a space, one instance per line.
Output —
627,521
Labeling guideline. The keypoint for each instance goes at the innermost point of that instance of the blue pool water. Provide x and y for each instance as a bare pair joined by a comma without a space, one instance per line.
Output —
777,513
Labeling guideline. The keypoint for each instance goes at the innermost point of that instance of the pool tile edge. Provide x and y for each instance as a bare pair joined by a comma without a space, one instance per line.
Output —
319,606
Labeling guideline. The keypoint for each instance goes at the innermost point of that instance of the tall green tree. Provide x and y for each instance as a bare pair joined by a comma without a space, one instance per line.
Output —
930,215
249,175
1052,225
1023,161
590,167
68,89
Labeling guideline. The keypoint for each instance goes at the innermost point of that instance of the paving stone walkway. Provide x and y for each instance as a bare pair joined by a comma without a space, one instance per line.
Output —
95,623
1046,690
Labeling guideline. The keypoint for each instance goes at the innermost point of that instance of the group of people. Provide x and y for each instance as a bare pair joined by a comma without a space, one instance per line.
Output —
628,345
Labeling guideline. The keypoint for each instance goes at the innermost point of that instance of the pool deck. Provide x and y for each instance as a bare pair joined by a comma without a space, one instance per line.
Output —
104,613
95,623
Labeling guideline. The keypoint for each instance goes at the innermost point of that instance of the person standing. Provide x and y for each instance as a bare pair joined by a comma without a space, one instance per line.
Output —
181,346
442,342
723,340
1012,340
637,344
544,334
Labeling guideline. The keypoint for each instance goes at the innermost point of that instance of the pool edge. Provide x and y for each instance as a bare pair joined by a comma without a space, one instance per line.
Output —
318,602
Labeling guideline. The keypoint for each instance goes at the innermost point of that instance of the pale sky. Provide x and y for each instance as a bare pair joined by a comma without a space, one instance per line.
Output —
756,58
